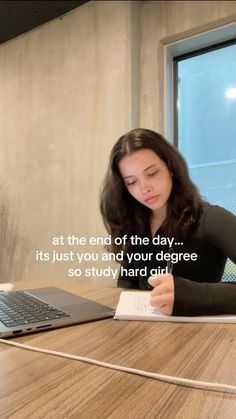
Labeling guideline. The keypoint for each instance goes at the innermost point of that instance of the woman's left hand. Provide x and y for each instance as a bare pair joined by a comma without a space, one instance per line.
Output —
163,294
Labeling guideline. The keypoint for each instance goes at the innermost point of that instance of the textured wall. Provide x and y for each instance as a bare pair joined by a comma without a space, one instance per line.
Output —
65,98
164,22
68,90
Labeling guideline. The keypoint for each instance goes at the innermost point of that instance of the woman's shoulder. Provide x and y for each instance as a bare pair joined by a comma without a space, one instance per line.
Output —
215,212
215,219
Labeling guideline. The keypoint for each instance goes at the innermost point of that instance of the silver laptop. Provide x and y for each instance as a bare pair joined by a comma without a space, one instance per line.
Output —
34,310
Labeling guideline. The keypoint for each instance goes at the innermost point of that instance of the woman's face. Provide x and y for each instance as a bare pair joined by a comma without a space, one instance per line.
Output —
147,179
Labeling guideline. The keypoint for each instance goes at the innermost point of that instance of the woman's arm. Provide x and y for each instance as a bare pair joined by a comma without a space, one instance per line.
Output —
180,296
194,298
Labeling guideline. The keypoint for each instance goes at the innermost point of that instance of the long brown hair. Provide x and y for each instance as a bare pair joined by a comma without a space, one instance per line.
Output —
124,215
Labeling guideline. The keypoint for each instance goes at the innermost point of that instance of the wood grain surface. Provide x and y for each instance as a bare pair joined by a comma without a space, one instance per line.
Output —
34,385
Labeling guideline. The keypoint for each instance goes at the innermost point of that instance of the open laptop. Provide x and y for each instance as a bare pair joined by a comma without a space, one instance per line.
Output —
34,310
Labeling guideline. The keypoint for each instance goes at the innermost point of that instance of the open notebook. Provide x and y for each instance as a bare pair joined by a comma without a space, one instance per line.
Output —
134,305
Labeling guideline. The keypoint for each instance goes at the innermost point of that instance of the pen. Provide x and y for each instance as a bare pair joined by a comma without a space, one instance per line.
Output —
169,262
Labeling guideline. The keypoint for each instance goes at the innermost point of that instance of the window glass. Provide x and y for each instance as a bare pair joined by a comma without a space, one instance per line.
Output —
206,122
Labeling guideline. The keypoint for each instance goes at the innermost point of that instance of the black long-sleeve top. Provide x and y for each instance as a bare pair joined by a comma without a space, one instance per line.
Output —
198,289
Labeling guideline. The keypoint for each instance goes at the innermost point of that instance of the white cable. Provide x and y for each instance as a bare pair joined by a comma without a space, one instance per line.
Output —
225,388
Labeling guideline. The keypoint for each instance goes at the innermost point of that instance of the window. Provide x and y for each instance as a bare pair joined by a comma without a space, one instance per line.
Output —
205,122
204,114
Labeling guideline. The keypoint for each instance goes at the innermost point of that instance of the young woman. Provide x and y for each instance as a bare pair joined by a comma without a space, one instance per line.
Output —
149,200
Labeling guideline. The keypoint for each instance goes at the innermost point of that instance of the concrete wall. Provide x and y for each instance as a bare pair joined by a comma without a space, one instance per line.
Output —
165,22
68,90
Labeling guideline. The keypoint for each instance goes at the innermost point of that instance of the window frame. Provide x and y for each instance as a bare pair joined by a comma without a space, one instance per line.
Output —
186,45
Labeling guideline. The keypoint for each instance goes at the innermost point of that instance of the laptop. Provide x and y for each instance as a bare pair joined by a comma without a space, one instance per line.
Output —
38,309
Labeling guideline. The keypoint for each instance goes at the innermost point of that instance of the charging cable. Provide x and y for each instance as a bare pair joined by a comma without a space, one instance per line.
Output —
203,385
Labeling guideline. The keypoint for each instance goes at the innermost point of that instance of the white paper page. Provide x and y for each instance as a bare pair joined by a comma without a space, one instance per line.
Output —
135,305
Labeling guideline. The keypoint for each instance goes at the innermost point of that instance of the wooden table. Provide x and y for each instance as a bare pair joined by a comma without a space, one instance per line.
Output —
34,385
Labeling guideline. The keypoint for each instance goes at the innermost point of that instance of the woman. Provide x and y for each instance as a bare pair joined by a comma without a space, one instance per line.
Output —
148,197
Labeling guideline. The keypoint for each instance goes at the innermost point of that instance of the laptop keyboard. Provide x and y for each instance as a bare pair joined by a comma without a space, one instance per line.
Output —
19,308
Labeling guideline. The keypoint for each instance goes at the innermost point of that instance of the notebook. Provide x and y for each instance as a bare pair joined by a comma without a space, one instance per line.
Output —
33,310
135,305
